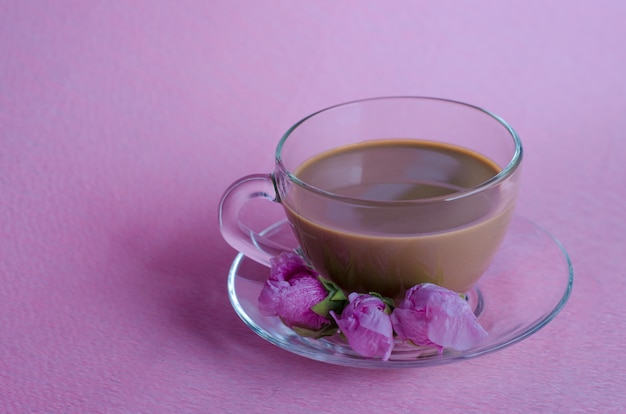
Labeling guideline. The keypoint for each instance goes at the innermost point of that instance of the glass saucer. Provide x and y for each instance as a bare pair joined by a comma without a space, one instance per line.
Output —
525,287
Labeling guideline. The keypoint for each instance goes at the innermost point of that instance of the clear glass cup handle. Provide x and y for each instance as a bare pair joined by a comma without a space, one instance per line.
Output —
237,233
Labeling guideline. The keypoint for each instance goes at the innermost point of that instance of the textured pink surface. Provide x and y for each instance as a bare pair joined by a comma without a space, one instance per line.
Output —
121,123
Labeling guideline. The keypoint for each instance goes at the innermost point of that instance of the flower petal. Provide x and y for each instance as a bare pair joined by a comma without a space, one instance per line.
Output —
271,296
410,324
296,302
288,264
454,325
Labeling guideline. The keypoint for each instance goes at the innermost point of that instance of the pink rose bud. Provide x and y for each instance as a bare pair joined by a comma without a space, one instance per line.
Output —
432,315
292,289
366,325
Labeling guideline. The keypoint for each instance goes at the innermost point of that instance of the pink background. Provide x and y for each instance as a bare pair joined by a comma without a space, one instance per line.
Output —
122,122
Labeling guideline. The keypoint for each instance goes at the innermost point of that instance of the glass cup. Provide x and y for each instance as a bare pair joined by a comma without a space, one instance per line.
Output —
386,193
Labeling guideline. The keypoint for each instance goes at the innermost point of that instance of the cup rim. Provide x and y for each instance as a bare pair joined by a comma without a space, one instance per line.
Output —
506,172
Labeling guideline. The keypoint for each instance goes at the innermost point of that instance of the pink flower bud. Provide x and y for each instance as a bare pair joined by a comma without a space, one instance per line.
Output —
432,315
292,289
366,325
